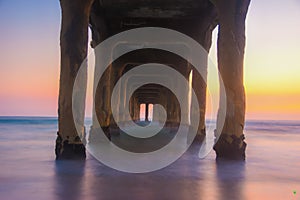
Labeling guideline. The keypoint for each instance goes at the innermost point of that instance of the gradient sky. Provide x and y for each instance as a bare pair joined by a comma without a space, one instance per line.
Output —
29,55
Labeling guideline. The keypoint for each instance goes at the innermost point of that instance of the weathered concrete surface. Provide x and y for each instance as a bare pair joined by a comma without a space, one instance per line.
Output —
231,44
73,43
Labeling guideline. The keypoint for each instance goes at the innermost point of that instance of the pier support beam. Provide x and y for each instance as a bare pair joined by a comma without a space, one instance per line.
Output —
147,112
73,43
202,33
102,104
231,45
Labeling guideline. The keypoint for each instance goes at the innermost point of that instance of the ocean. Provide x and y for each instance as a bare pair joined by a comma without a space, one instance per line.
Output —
28,169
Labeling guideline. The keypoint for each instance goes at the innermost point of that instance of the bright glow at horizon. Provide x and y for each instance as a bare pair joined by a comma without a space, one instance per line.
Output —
29,55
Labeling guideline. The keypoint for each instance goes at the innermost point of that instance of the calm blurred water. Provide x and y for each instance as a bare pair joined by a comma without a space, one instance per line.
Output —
29,170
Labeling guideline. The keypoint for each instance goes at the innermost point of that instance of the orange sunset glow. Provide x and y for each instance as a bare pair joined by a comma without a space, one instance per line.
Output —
30,62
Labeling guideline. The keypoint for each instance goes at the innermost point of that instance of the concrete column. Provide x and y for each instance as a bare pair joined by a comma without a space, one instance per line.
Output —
155,117
102,101
131,107
114,76
136,110
199,87
126,103
122,102
169,108
231,44
73,43
173,110
156,112
147,112
118,89
184,109
103,88
203,34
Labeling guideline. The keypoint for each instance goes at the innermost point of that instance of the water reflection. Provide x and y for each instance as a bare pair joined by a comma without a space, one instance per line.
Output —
69,179
230,178
28,170
187,178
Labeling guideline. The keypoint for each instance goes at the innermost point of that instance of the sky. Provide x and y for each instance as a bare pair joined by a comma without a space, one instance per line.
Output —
30,56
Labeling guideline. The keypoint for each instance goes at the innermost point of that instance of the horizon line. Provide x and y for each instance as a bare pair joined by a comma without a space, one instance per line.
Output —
214,119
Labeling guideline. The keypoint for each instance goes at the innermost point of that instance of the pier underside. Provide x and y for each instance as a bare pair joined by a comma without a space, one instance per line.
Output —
194,18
